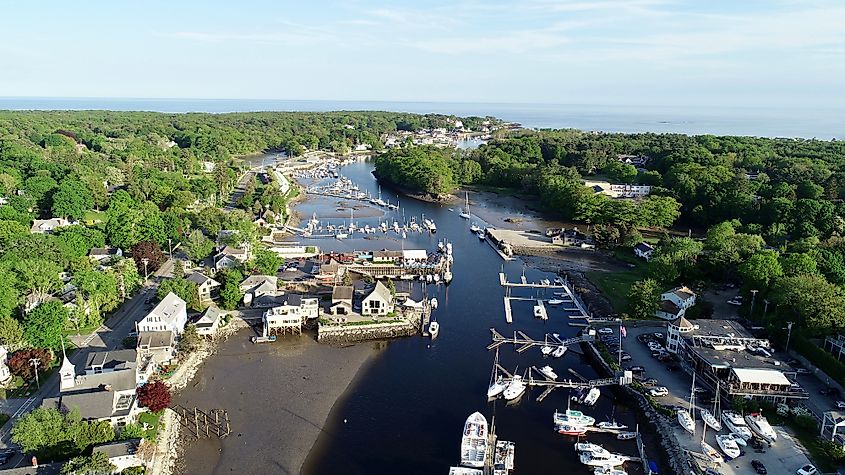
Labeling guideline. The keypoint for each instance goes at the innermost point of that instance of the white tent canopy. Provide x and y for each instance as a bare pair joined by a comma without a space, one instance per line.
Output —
761,376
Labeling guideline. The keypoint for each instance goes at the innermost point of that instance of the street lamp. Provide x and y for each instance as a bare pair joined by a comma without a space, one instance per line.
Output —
35,362
753,296
765,308
170,245
146,261
788,335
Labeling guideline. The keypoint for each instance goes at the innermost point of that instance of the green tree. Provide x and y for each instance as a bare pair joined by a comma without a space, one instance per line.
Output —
183,288
10,296
132,431
761,270
643,298
95,464
197,246
42,327
190,339
799,264
11,333
230,293
72,199
40,431
265,261
39,277
819,304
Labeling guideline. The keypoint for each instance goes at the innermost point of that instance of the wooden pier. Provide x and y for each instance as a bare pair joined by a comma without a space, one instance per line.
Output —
622,378
570,300
198,423
525,342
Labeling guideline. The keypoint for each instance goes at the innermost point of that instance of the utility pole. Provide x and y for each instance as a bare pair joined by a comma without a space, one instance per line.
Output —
788,335
765,308
35,362
753,296
170,245
146,261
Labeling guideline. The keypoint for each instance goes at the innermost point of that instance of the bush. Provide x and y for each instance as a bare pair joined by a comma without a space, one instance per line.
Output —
832,450
155,396
807,423
820,358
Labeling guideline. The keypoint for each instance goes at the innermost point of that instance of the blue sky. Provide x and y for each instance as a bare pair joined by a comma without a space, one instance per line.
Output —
664,52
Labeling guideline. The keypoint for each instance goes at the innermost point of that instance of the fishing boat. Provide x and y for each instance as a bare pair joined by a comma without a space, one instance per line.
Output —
559,351
504,456
556,301
611,425
433,329
602,459
736,424
582,447
757,423
728,445
540,312
465,212
548,372
626,435
474,228
686,421
591,397
497,384
515,389
574,417
710,420
474,441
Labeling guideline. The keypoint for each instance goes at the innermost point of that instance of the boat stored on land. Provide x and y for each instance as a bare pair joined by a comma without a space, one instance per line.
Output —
686,421
757,423
736,424
474,441
728,445
710,420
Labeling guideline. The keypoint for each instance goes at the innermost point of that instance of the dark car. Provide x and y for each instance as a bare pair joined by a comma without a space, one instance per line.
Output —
759,467
636,369
5,455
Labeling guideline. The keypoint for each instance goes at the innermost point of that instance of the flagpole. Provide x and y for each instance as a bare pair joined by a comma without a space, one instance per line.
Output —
619,362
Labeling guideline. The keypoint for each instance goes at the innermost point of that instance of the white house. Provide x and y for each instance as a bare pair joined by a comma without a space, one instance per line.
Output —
342,299
42,226
681,296
171,314
378,302
230,257
208,323
206,286
100,254
260,290
156,347
668,310
123,454
644,250
5,373
281,319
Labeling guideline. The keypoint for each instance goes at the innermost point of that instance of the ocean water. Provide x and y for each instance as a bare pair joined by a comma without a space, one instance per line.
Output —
766,122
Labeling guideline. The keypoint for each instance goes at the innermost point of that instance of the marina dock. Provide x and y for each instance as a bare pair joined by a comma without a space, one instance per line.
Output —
622,378
561,291
525,342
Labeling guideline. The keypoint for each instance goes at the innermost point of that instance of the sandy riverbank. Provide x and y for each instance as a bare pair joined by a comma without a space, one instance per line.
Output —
300,379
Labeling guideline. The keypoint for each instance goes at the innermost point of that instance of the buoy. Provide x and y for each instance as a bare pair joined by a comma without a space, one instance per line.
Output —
344,421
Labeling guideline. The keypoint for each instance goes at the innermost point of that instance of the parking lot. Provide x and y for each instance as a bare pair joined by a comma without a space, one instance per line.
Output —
784,458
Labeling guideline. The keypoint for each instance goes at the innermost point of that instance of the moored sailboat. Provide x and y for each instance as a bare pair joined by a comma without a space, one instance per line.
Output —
465,212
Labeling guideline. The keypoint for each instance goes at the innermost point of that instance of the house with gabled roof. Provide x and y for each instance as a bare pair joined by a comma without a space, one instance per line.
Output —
378,302
206,286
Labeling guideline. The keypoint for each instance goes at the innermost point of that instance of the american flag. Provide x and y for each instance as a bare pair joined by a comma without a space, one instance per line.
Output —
623,331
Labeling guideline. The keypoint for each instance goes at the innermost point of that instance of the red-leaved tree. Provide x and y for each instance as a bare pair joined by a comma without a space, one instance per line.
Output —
20,362
147,250
155,396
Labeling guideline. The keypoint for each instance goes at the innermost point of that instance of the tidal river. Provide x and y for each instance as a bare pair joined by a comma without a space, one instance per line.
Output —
405,409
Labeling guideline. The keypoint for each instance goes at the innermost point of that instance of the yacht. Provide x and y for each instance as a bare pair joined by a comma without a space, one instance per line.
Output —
600,459
573,417
559,351
728,445
592,396
710,420
548,372
496,387
515,389
686,421
474,441
503,459
540,312
582,447
433,329
612,425
736,424
759,424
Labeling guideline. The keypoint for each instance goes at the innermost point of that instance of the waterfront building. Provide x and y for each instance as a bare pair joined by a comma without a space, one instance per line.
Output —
331,272
833,427
123,454
621,191
282,319
572,237
723,351
209,321
378,302
387,257
206,286
414,256
171,314
260,290
342,300
156,347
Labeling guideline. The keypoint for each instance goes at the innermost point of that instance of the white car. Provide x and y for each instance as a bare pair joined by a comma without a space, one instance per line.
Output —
807,470
840,404
605,331
736,300
658,391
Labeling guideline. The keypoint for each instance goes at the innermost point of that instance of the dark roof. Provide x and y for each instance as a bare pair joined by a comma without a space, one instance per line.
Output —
669,307
644,246
342,292
91,405
118,359
293,300
161,339
120,380
199,278
119,449
41,469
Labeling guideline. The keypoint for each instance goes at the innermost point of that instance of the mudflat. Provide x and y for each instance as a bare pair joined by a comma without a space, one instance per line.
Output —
278,397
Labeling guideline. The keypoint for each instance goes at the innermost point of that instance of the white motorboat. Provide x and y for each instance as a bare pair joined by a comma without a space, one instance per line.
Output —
546,350
582,447
447,276
341,236
434,303
474,441
548,372
609,471
540,312
436,278
712,454
574,417
429,278
545,282
757,423
736,424
710,420
570,429
482,235
559,351
612,425
686,421
465,471
738,439
504,456
496,387
592,396
515,389
474,228
433,329
728,445
626,435
602,459
556,301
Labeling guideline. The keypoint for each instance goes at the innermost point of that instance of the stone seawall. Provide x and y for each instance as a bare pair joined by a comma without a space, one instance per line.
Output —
677,458
353,333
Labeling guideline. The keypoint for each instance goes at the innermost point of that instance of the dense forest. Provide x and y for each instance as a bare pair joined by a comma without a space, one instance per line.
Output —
141,182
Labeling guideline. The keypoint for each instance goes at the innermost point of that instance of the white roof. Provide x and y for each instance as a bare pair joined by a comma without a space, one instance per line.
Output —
169,308
761,376
414,254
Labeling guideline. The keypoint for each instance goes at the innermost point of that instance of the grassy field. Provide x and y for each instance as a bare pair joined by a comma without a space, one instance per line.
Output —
615,285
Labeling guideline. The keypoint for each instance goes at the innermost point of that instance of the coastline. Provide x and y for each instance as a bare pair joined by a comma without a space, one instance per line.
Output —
302,381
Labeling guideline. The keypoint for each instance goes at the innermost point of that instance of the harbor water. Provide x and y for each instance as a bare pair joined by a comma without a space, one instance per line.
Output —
405,413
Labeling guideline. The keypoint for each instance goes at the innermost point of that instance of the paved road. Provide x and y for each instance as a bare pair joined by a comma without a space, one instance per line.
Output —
108,337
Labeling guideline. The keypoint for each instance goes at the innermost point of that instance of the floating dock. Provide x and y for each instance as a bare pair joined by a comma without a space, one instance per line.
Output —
564,292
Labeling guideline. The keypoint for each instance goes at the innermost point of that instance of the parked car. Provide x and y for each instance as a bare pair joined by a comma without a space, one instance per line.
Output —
636,369
650,382
605,331
736,300
807,470
840,404
658,391
658,335
627,357
759,467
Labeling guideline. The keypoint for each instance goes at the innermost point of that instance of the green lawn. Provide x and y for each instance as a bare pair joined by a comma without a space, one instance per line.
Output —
153,420
615,285
93,217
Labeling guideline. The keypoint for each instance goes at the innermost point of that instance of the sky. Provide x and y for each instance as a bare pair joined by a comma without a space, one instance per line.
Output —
782,53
